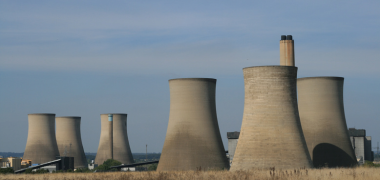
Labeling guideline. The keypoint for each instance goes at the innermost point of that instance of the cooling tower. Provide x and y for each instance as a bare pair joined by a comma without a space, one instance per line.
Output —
69,140
271,134
193,138
114,142
41,145
323,121
287,51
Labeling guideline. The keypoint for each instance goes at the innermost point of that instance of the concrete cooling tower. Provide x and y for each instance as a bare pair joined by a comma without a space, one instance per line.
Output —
69,140
320,103
114,142
41,145
271,134
287,51
193,138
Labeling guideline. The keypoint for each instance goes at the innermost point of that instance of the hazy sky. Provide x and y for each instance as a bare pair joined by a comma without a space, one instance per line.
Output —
85,58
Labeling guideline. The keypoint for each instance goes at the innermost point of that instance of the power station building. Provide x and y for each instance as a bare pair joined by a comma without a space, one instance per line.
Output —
69,140
193,138
233,138
361,144
41,145
114,143
321,109
271,133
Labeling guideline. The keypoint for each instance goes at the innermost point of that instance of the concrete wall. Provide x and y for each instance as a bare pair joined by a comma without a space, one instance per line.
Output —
69,139
320,104
368,148
358,145
104,151
232,143
233,138
41,145
271,134
193,138
120,150
15,163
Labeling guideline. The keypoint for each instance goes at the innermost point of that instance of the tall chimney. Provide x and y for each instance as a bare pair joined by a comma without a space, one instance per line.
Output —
287,51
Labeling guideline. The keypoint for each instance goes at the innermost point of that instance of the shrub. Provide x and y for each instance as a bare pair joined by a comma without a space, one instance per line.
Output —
370,164
106,166
28,171
152,167
82,170
41,171
6,170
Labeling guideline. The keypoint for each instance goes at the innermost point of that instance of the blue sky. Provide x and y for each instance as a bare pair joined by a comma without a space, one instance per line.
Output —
84,58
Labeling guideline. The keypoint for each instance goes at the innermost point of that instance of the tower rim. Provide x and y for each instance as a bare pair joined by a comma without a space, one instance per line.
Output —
322,77
198,79
114,113
51,114
270,66
68,117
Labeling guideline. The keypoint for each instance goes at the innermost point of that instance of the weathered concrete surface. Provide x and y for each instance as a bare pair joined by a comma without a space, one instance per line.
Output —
233,138
193,138
69,139
271,134
120,150
41,145
320,103
287,53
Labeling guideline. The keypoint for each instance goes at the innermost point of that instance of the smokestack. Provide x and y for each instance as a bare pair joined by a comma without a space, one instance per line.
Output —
69,140
321,108
193,138
113,143
41,145
287,51
271,134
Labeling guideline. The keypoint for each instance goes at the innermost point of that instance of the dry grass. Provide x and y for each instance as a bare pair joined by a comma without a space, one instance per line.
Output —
312,174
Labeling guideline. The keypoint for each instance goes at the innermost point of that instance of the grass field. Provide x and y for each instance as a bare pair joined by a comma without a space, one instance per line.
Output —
312,174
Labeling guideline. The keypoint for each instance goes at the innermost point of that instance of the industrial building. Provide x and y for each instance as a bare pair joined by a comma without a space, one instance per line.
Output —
271,134
233,138
41,145
321,109
114,143
11,162
361,144
193,140
69,140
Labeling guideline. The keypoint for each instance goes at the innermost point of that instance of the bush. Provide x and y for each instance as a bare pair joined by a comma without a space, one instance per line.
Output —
41,171
370,164
38,171
82,170
29,171
6,170
106,166
152,167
